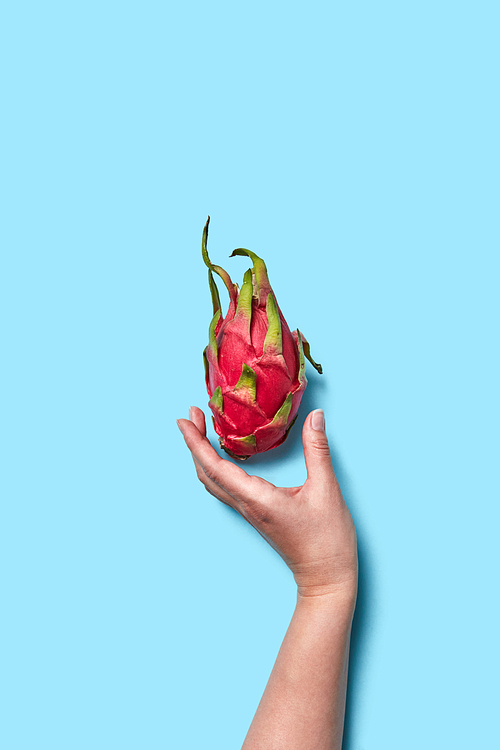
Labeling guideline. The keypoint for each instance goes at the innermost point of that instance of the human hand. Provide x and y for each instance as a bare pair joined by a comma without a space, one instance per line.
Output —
310,526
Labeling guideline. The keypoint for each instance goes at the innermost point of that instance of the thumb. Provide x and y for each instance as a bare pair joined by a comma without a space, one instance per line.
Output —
316,450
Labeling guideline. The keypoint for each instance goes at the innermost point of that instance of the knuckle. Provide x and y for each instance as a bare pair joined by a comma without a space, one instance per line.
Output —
210,474
257,513
320,447
218,497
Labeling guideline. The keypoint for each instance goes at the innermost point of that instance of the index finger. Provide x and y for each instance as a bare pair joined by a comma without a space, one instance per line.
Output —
233,480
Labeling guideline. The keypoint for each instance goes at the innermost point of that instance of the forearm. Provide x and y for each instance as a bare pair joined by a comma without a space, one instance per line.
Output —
304,702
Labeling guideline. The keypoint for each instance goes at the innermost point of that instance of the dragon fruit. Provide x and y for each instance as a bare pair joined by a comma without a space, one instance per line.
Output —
254,364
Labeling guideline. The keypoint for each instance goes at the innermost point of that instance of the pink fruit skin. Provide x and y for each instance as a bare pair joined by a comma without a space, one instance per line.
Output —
254,364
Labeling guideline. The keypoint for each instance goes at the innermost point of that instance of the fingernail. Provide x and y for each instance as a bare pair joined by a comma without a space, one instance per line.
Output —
191,413
178,421
318,420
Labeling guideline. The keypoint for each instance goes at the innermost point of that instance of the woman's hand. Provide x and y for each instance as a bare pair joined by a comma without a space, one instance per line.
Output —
309,526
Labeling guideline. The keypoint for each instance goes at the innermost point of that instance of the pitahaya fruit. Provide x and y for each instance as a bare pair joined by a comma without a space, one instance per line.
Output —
254,365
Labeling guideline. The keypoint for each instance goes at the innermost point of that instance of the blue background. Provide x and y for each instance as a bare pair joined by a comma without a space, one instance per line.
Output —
355,147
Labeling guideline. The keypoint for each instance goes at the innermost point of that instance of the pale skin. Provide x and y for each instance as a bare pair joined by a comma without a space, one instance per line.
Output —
310,527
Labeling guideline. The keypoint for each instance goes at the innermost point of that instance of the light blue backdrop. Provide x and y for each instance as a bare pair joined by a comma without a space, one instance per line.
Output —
354,146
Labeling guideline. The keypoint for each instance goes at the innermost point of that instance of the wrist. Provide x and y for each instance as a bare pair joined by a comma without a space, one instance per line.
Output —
332,580
339,599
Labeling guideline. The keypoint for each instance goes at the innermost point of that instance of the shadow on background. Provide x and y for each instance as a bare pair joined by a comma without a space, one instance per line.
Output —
364,615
